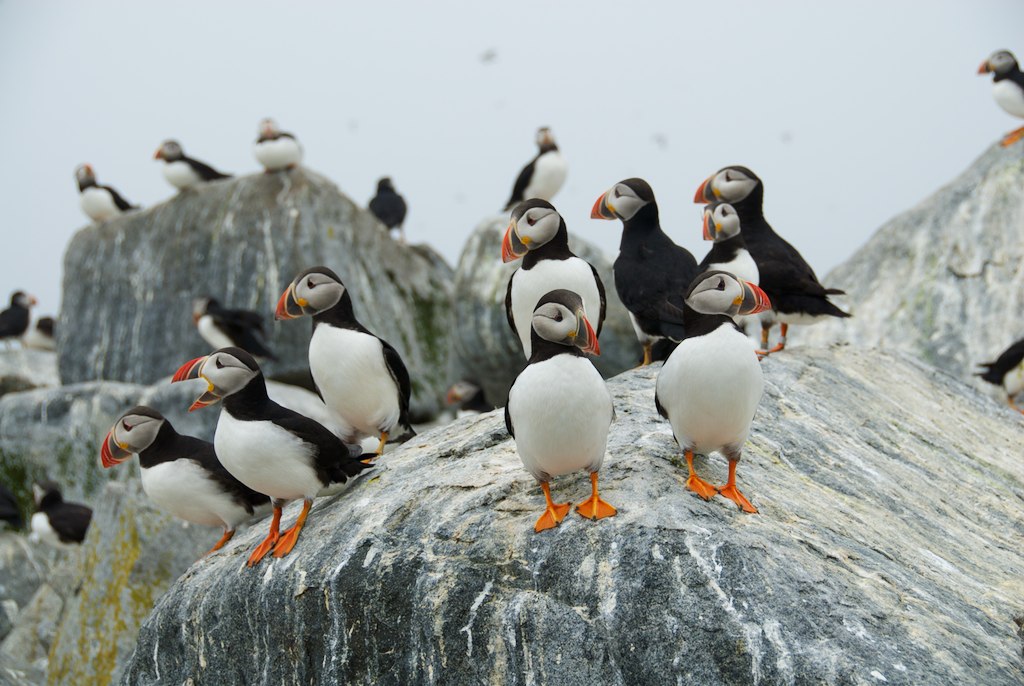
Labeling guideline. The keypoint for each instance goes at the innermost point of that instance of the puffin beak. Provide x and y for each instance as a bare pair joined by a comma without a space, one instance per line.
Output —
112,452
586,337
289,307
159,154
512,247
451,397
754,300
189,370
195,319
984,68
602,208
32,300
708,235
704,191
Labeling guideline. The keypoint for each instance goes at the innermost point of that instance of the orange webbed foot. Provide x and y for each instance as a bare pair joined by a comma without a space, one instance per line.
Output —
290,538
701,487
594,507
221,543
262,549
552,516
733,494
1012,137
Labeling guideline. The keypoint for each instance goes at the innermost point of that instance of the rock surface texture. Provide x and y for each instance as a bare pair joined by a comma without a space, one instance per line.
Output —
129,283
22,369
887,551
943,281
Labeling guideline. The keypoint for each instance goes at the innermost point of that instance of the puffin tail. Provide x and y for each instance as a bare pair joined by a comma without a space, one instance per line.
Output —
350,466
989,374
834,291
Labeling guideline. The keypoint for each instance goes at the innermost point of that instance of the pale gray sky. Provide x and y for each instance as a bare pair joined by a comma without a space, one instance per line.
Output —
850,113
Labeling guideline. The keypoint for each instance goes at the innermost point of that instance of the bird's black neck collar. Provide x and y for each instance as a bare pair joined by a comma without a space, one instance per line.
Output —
555,249
249,400
642,224
547,147
699,324
342,315
543,349
1014,74
157,450
730,246
750,210
88,183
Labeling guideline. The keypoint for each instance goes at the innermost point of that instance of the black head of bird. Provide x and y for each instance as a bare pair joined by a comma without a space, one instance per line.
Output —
169,151
719,292
225,371
533,223
720,222
729,184
1000,62
545,139
560,317
313,291
133,432
85,176
623,200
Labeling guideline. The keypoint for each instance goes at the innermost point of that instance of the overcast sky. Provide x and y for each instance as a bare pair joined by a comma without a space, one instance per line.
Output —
850,114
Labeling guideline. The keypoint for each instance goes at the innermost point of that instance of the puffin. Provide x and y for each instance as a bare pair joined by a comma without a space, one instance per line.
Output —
1007,371
729,251
275,149
99,203
182,171
56,522
543,176
14,320
651,272
559,409
711,384
1007,88
796,294
182,474
389,207
10,513
360,377
224,328
467,397
269,448
537,233
42,335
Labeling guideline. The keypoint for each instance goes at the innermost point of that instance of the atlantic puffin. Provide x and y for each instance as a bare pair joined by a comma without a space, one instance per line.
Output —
276,149
467,397
796,294
359,376
651,272
15,319
269,448
181,474
1007,87
559,409
389,207
10,513
223,328
182,171
99,203
42,336
1007,371
544,175
537,233
56,522
711,384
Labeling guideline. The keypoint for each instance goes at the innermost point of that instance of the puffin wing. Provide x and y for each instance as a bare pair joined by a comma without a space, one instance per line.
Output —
600,291
508,422
393,361
522,181
205,171
508,305
1010,358
329,455
70,521
8,322
202,453
121,203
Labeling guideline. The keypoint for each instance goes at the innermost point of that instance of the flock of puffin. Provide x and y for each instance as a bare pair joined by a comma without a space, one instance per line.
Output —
559,410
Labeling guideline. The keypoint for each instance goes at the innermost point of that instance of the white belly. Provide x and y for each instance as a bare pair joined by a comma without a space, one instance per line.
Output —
549,172
266,458
39,341
42,531
180,175
1013,382
211,334
741,266
529,286
278,154
348,367
98,204
800,318
710,387
561,411
1010,97
184,489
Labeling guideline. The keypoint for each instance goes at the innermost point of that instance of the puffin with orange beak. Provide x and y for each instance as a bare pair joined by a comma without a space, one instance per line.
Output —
712,383
275,149
544,175
183,172
182,474
537,233
15,319
1007,88
99,203
729,252
269,448
559,409
651,272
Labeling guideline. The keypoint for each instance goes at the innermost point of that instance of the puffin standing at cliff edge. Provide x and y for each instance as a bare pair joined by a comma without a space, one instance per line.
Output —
652,273
712,383
182,474
10,513
537,233
559,409
544,175
796,294
269,448
1007,371
389,207
276,149
14,320
56,522
182,171
224,328
360,377
1007,88
99,203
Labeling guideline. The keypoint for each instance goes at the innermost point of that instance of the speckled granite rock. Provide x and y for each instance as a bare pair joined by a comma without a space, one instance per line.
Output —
22,369
887,551
487,350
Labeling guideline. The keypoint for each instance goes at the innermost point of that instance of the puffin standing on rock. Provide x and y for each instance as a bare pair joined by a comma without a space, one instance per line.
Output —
1007,88
56,522
359,376
796,294
182,474
544,175
559,409
224,328
651,272
389,207
99,203
275,149
712,383
182,171
267,447
1007,371
15,319
42,336
537,233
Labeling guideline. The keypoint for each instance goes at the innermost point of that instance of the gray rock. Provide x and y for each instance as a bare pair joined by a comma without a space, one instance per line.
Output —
943,281
887,551
29,642
486,349
22,369
129,282
24,567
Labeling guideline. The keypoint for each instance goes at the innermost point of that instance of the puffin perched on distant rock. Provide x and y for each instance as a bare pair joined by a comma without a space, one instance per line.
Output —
389,207
796,294
42,336
711,384
10,513
652,273
1007,371
224,328
537,233
559,409
1007,88
14,320
467,397
182,474
544,175
182,171
269,448
359,376
99,203
276,149
56,522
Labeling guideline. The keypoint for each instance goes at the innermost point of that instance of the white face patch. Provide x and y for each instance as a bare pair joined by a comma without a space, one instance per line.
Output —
624,202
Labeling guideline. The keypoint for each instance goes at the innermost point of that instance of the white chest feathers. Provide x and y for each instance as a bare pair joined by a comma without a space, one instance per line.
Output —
1009,96
1013,382
266,458
187,491
180,175
211,334
280,153
530,285
742,265
98,204
549,172
41,529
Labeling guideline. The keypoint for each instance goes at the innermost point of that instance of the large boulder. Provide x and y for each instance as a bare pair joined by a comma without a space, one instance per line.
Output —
129,283
887,551
486,349
23,369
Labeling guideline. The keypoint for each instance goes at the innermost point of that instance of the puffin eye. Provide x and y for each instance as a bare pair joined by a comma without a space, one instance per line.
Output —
220,365
530,220
309,283
721,285
618,193
558,316
127,426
